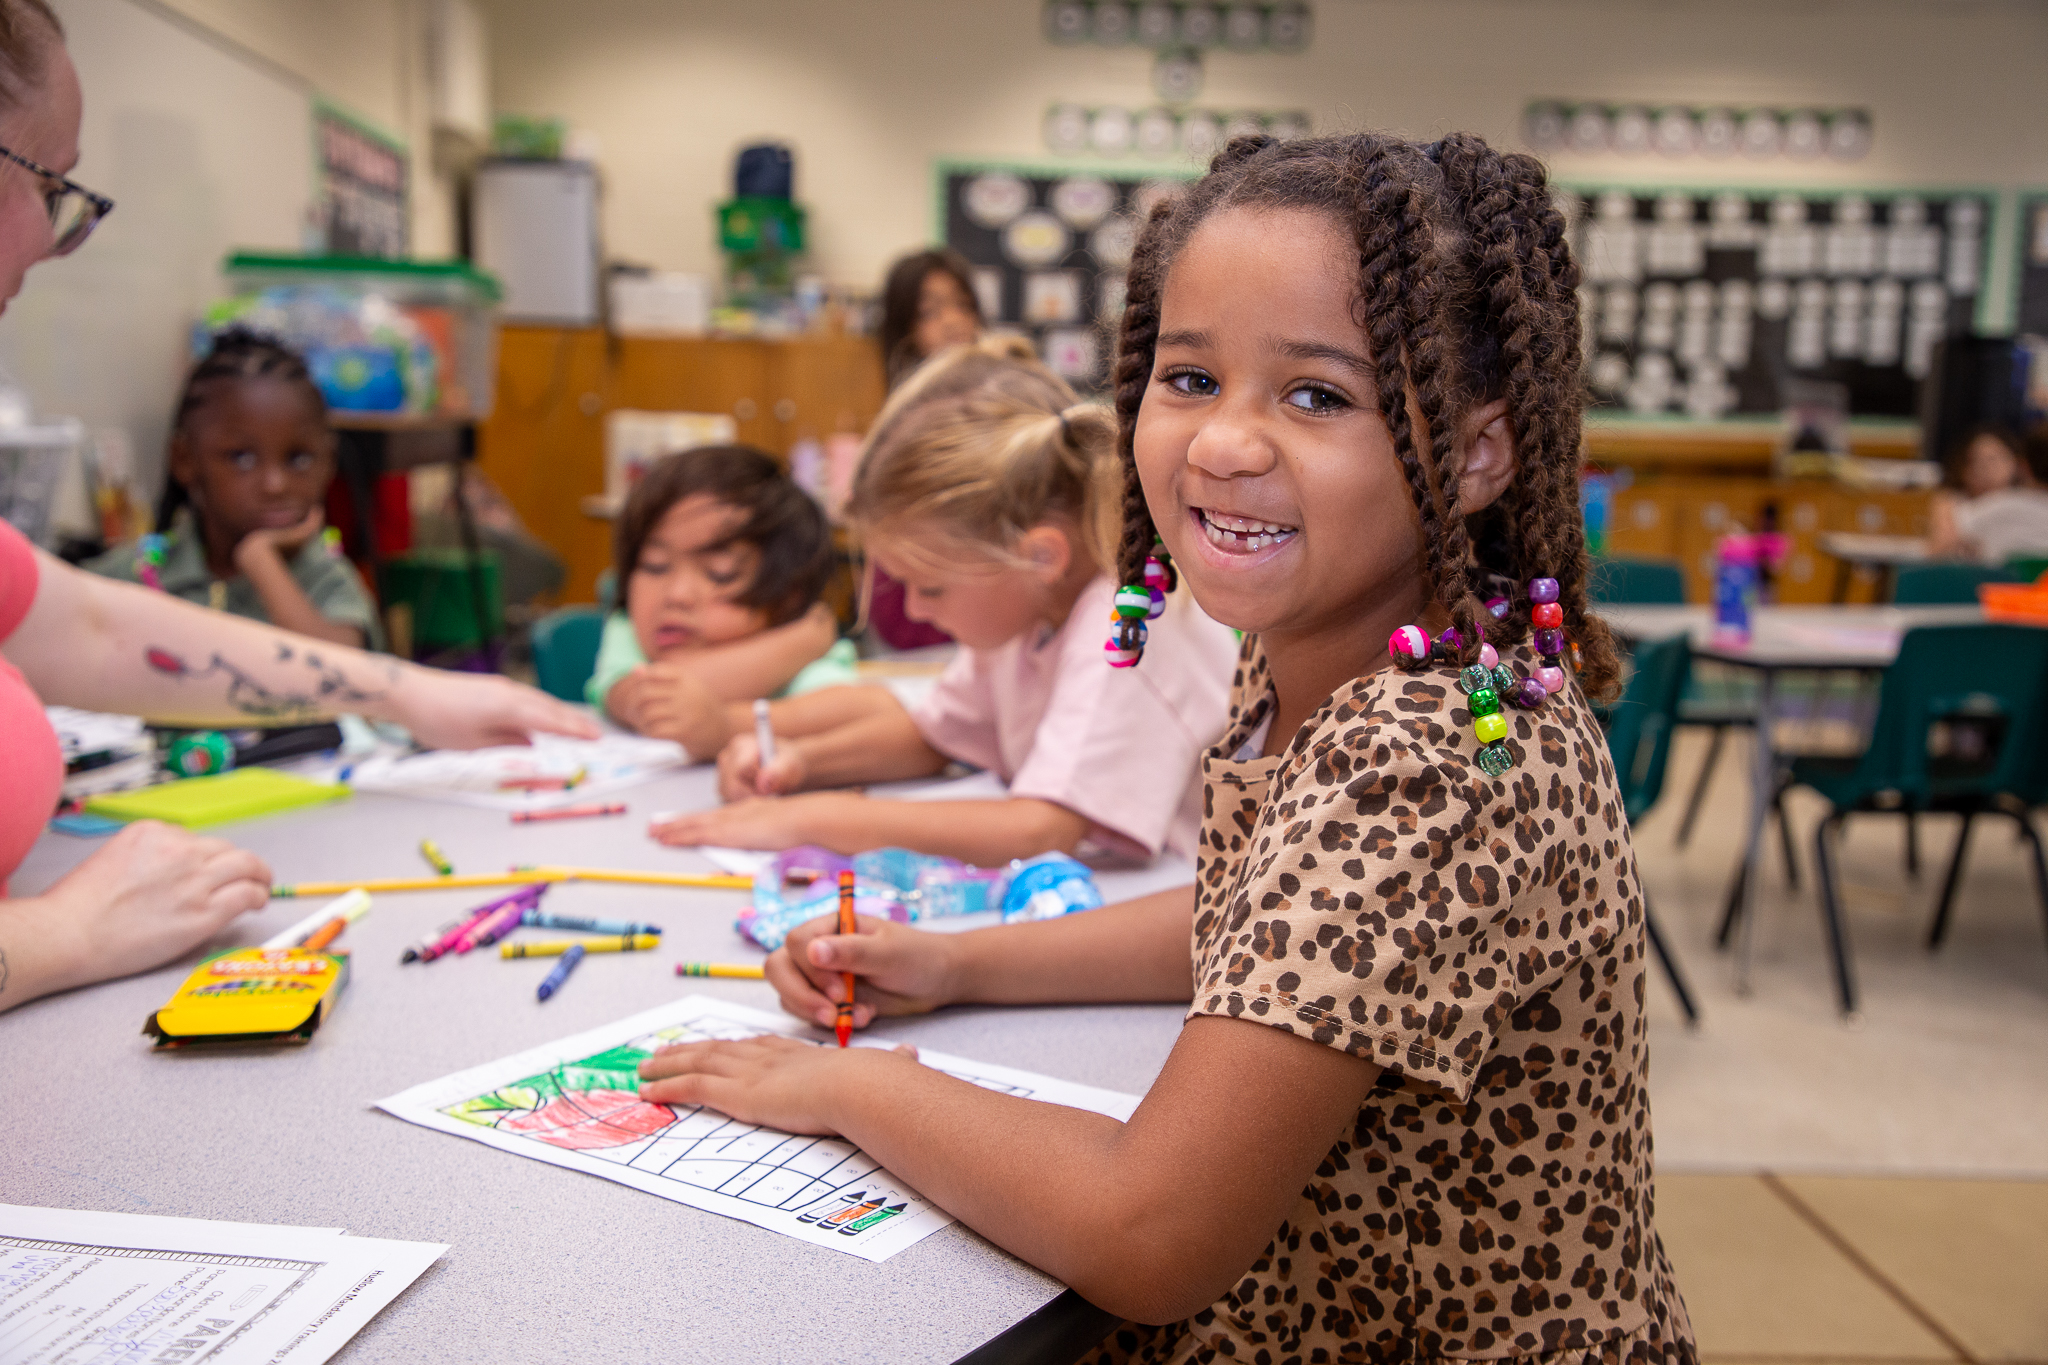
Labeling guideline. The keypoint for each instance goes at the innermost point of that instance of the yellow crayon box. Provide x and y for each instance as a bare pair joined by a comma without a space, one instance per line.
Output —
251,995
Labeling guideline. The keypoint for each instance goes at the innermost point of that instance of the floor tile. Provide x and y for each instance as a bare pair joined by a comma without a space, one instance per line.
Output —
1761,1284
1972,1253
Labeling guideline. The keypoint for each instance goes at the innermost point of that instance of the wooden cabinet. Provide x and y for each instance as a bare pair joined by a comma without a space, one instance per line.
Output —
544,445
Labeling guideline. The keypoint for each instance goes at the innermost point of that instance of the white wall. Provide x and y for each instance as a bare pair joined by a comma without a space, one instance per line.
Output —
870,93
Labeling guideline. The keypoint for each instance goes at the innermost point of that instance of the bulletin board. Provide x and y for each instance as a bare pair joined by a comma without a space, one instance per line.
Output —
1049,246
1704,303
2032,314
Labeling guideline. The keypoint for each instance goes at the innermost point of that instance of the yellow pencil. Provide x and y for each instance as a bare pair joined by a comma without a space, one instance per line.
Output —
732,969
604,874
524,876
630,943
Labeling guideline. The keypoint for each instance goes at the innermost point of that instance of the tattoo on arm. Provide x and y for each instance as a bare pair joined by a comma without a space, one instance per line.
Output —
3,971
328,690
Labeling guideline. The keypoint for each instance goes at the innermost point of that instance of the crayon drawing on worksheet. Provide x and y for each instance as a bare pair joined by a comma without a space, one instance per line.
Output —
584,1111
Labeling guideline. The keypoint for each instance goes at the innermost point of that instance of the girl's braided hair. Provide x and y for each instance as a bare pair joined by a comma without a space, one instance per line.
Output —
238,352
1467,293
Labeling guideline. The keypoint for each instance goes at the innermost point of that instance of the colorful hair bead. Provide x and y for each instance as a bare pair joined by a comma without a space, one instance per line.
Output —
1551,677
1155,575
1472,678
1129,634
1119,657
1158,607
1550,642
1482,701
1489,657
1505,679
1528,694
1494,759
1490,727
1542,590
1132,604
1409,647
1546,616
1161,564
1450,642
1497,607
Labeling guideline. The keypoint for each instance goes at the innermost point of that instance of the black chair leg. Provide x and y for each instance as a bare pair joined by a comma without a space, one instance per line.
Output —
2033,838
1913,846
1939,930
1732,910
1831,915
1669,964
1699,786
1785,840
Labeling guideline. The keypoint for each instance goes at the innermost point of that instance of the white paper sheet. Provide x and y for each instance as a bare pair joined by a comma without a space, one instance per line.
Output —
574,1103
609,764
81,1288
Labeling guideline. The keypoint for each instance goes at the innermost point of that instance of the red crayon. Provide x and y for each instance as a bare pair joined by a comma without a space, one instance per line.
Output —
522,817
843,1025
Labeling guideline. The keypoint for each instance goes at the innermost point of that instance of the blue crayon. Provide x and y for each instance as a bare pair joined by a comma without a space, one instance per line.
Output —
540,919
561,971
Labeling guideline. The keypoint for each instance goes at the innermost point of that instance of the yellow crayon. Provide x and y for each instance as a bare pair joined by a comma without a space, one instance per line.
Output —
629,943
437,860
732,969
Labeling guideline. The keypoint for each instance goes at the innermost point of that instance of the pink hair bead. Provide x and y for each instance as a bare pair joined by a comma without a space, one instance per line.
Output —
1497,607
1155,576
1552,678
1118,658
1409,646
1489,657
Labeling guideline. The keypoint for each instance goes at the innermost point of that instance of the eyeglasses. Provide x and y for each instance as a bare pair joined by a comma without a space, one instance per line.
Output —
74,210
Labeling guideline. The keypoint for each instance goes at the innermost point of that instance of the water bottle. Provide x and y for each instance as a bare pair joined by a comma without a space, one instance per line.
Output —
1736,578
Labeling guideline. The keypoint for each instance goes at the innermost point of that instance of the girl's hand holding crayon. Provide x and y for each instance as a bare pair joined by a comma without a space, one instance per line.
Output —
741,774
900,970
777,1082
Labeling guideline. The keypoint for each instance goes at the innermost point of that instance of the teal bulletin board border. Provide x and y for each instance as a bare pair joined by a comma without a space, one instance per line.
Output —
1998,289
1100,170
2025,198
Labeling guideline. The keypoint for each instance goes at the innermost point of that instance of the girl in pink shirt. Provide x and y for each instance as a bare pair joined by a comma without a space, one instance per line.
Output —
991,493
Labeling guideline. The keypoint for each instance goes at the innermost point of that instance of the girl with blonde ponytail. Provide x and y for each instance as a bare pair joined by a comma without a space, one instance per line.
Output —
995,495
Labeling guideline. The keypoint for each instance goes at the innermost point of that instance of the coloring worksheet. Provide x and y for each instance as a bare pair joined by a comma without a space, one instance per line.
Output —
576,1103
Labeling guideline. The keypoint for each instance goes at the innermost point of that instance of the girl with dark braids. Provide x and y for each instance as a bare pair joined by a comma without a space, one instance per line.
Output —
238,528
1407,1117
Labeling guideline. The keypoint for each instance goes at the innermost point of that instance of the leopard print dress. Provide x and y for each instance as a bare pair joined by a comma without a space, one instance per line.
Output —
1482,941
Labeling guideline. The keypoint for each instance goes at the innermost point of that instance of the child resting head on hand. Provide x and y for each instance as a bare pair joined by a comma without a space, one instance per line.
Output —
721,559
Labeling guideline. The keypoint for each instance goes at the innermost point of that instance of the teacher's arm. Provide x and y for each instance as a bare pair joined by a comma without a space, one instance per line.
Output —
103,645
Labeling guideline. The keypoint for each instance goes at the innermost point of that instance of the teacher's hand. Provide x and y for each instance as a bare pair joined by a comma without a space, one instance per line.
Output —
446,710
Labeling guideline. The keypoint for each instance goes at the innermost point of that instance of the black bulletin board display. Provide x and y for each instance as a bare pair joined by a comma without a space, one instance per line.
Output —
2032,315
1706,303
1049,246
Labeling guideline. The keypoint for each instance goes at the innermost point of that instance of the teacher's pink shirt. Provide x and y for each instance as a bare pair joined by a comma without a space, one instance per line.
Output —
31,763
1120,747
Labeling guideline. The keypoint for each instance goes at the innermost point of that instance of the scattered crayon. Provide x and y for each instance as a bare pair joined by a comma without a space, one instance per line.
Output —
732,969
842,1025
436,859
562,969
629,943
351,906
325,935
527,817
541,919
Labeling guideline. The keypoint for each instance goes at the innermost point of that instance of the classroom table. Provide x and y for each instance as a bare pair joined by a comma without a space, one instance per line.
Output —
540,1258
1782,640
1855,550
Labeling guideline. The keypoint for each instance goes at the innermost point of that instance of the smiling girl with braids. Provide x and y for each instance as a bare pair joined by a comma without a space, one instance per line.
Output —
1406,1118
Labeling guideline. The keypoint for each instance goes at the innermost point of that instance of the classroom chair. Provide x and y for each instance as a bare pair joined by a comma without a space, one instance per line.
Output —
565,650
1958,729
1937,585
2027,569
1639,740
1652,582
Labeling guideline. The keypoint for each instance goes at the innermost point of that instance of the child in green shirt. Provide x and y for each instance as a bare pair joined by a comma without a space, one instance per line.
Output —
721,560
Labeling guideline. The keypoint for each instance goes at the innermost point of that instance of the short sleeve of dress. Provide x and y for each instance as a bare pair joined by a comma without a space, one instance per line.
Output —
1373,910
958,716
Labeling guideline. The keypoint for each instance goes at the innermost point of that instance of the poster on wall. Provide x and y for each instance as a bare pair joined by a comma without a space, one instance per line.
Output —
1049,248
1716,303
360,186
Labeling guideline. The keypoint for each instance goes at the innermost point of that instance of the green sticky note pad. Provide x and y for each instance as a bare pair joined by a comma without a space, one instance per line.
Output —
198,802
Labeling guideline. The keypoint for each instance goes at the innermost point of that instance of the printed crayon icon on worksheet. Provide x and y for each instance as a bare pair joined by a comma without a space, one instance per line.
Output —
592,1106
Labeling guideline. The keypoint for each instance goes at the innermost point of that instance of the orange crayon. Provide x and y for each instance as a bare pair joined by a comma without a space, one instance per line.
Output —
521,817
325,934
843,1025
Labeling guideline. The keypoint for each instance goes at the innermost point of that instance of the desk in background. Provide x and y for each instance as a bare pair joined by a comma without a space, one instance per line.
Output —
541,1258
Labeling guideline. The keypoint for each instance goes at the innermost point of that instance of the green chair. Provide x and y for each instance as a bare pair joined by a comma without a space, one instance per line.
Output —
1639,739
1959,728
1936,585
1659,582
2026,570
565,650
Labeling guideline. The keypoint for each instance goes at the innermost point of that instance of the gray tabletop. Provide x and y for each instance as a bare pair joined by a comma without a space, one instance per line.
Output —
1791,637
540,1257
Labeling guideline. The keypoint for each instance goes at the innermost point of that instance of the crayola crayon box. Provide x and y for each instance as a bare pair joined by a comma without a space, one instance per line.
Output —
249,996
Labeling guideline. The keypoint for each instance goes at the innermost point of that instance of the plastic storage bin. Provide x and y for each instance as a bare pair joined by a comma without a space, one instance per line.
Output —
407,338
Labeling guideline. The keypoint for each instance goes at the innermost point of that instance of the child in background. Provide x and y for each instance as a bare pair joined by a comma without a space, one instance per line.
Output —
928,305
1407,1117
1995,508
991,493
251,456
721,559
